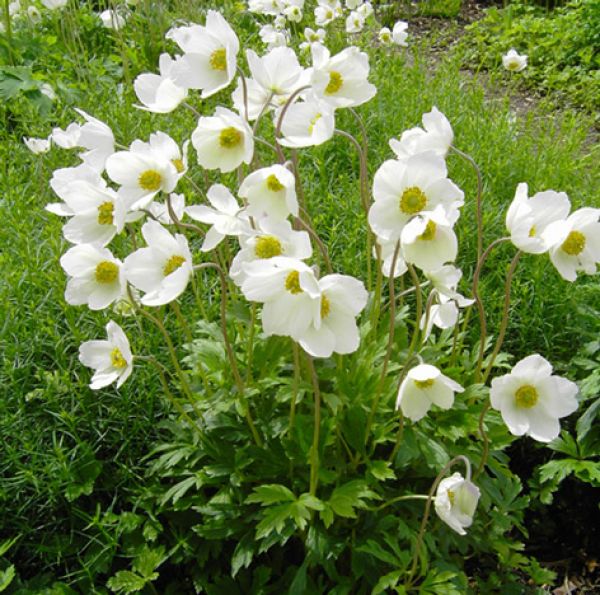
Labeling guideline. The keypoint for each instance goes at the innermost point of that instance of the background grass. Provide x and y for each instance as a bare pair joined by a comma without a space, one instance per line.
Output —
69,452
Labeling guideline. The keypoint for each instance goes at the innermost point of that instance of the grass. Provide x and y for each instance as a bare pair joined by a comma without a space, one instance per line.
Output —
57,434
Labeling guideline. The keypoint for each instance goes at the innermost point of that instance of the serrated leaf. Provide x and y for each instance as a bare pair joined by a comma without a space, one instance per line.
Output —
179,490
148,561
243,554
381,470
271,494
387,581
311,502
126,581
584,423
274,519
349,496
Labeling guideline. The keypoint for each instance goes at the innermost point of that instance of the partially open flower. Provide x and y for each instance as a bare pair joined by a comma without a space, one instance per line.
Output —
158,92
38,145
277,72
399,33
111,359
455,502
513,61
271,192
531,400
307,123
355,22
423,387
98,139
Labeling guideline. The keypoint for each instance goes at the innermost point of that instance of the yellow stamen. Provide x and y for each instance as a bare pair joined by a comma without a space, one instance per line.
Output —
574,244
423,383
230,138
218,59
325,306
150,180
116,359
173,264
313,122
179,165
429,232
532,231
292,282
105,213
451,497
106,272
267,247
335,83
273,184
526,396
413,200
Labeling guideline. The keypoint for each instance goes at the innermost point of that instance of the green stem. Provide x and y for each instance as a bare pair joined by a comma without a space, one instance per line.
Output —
314,454
250,347
296,351
419,310
484,437
401,499
8,25
182,322
399,437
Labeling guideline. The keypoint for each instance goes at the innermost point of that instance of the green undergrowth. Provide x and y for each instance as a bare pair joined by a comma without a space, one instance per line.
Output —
76,488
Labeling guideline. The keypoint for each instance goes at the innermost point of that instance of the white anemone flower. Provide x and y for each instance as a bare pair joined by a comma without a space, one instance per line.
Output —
256,100
34,14
97,213
277,72
111,19
223,215
423,387
267,7
531,400
365,9
385,35
445,281
399,33
527,218
311,36
307,123
289,291
163,269
442,315
428,241
353,4
161,212
273,37
223,141
455,502
513,61
269,238
112,359
164,148
335,331
404,189
98,139
96,276
436,135
355,22
341,80
158,92
210,54
61,180
574,243
270,192
38,145
293,13
54,4
68,138
325,14
388,249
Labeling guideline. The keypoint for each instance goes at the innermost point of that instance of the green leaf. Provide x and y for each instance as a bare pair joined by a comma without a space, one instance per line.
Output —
6,577
387,581
381,470
7,544
584,423
298,586
243,554
274,519
310,502
126,581
271,494
349,496
147,562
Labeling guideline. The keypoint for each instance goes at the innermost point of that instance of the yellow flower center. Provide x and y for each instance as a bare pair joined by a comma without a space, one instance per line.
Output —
513,65
150,180
292,282
313,37
267,247
218,59
532,231
526,396
423,383
106,272
574,244
313,122
325,306
451,497
105,213
329,14
335,83
413,200
273,184
173,264
116,359
429,232
385,37
179,165
230,137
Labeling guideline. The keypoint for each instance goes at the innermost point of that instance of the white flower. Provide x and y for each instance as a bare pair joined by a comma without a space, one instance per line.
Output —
224,216
353,4
385,35
111,19
455,502
399,33
387,256
209,61
14,8
98,213
37,145
293,13
335,330
423,387
163,269
445,281
54,4
307,123
443,315
98,139
158,92
256,98
404,189
64,177
531,400
34,14
342,79
111,359
270,7
270,191
365,9
355,22
223,141
325,14
289,291
437,136
269,239
272,36
574,243
96,276
513,61
527,218
68,138
428,241
313,36
277,72
161,210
